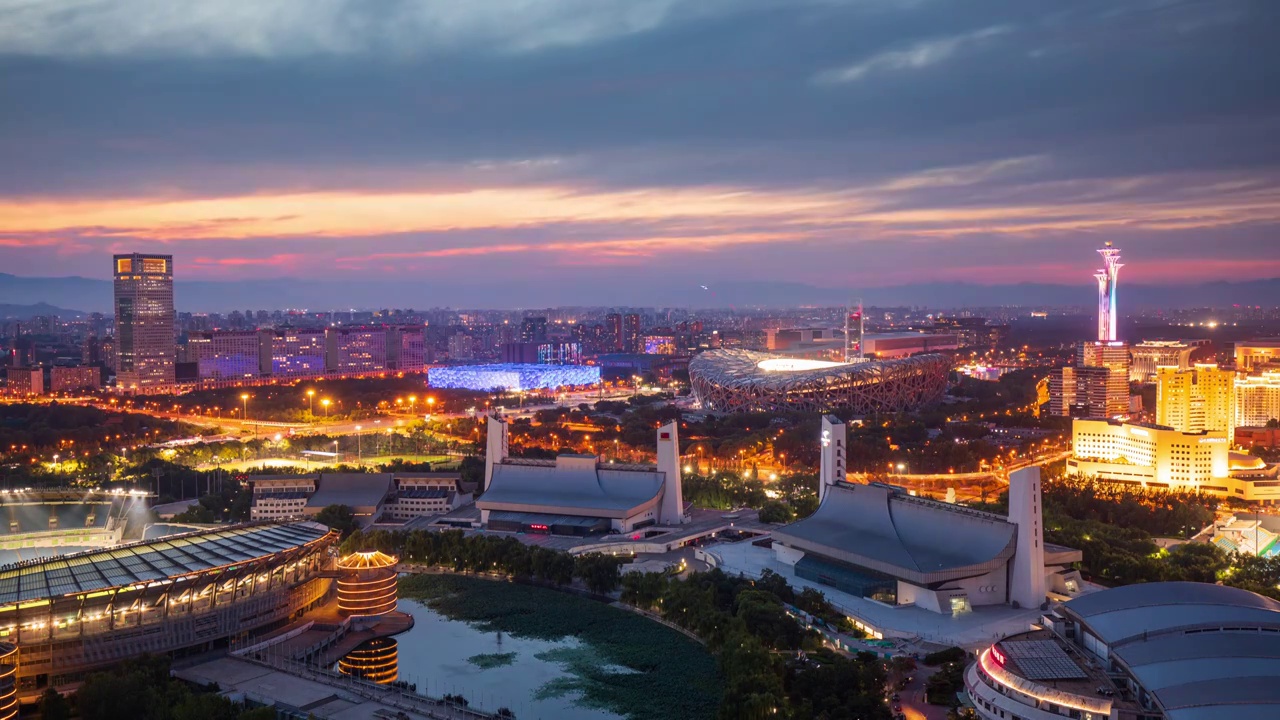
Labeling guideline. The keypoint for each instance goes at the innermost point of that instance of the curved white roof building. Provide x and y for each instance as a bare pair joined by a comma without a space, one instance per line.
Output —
748,381
1167,651
879,542
577,494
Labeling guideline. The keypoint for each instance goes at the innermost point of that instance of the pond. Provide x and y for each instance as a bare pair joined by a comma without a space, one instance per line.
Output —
490,668
550,655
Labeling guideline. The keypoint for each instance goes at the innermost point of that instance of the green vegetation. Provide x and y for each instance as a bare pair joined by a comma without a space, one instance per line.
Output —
353,399
942,686
1114,527
488,661
338,517
951,654
666,675
141,689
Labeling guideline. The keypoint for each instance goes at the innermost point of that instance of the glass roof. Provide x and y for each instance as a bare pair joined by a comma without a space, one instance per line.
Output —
149,561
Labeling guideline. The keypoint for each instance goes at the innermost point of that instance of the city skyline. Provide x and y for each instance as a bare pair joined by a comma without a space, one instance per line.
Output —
638,142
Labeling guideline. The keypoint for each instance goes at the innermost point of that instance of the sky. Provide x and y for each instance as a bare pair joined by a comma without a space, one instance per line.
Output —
838,143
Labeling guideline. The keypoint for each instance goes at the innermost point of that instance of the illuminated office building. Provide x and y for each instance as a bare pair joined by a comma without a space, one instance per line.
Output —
1256,354
1257,399
1158,457
406,349
355,350
533,329
297,353
613,330
231,354
631,333
145,347
1148,355
64,379
1202,398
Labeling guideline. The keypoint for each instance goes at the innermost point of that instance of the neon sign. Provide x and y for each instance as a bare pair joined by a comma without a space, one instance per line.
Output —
997,655
826,438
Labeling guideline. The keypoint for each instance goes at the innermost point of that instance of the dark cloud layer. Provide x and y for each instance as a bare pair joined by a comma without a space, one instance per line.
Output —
1107,107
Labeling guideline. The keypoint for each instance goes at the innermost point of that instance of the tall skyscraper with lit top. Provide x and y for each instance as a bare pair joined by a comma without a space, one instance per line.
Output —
1107,278
145,347
1098,385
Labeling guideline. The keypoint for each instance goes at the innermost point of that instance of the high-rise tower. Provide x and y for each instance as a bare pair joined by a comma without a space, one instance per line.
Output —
145,347
1107,278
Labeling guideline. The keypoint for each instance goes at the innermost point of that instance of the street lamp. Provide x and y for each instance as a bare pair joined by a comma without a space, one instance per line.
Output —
359,453
311,406
244,415
325,404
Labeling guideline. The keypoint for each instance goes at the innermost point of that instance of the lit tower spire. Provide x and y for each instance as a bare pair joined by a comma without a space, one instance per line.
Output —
1107,278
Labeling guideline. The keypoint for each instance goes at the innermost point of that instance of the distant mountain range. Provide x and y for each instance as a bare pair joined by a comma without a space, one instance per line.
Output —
93,295
26,312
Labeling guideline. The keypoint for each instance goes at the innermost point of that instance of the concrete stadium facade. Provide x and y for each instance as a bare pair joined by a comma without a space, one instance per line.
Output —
749,381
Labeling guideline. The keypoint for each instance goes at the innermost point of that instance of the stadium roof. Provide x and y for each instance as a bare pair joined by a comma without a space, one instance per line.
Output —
355,490
1203,651
878,528
151,560
752,369
573,485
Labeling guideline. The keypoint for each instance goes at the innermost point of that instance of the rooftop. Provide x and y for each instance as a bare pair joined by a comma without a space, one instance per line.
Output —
573,485
879,528
355,490
151,560
1203,651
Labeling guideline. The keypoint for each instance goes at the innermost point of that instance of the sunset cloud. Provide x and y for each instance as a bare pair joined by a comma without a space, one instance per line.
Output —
616,145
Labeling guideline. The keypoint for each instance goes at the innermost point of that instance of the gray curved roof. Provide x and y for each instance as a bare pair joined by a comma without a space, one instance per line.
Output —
1203,651
355,490
1122,613
573,485
921,541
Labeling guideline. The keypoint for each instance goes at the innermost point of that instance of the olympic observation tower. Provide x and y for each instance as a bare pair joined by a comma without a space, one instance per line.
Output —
1107,278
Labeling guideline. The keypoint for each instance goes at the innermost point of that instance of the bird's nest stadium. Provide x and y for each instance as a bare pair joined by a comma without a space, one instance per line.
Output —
747,381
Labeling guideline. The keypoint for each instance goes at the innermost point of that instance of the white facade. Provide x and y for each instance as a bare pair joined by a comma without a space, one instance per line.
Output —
1027,584
831,454
425,496
281,499
1153,456
672,507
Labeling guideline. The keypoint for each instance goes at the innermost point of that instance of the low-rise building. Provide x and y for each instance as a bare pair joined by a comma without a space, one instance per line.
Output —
424,495
281,498
66,379
1162,458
